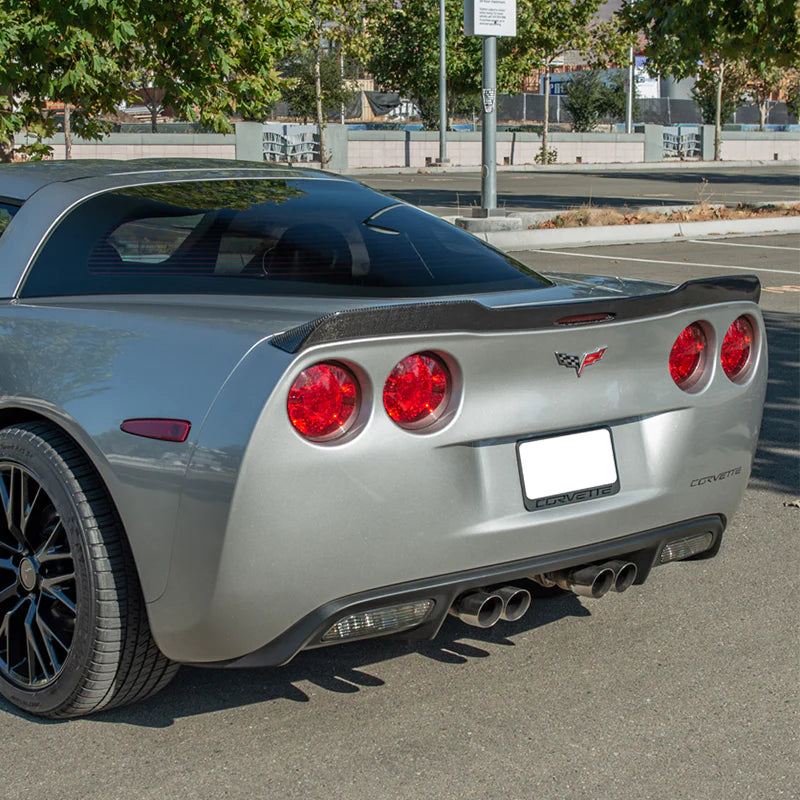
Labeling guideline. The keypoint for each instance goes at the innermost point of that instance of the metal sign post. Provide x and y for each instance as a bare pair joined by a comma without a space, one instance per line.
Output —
489,135
442,87
489,19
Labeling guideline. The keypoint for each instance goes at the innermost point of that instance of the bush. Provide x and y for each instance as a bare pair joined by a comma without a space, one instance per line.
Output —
585,100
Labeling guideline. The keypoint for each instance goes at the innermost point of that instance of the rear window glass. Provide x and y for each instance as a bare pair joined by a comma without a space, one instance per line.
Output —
6,212
302,236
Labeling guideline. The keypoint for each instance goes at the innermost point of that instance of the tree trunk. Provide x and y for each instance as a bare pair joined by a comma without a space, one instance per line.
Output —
67,133
154,118
718,113
323,160
7,146
546,127
763,100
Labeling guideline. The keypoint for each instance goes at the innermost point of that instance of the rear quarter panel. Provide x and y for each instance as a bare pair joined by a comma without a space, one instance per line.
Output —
89,368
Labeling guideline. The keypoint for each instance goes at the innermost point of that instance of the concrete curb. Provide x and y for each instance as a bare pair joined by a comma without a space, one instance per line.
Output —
550,239
640,166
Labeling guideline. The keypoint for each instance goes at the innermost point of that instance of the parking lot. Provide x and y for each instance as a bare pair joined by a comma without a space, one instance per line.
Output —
456,192
686,687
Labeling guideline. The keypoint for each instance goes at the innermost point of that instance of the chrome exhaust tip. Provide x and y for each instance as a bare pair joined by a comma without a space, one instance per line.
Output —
516,602
624,574
479,609
592,581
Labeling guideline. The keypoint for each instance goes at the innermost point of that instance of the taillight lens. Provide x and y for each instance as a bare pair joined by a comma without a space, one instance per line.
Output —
737,347
323,401
415,393
688,356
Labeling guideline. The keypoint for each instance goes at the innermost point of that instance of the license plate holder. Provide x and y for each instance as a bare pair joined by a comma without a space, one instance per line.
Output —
568,468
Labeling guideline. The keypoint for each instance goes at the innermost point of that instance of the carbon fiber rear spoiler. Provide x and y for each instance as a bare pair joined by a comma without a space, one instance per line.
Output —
450,316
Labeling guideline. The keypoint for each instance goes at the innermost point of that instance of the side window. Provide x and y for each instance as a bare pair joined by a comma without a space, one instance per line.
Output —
152,240
6,212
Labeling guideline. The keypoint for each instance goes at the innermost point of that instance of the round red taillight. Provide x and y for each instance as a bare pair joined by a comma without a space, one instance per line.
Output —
688,356
415,393
323,401
737,347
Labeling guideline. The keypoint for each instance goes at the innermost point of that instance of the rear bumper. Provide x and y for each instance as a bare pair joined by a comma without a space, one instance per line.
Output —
642,548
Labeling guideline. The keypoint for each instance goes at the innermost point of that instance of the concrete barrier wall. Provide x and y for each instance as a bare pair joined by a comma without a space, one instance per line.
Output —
149,145
371,149
349,149
760,146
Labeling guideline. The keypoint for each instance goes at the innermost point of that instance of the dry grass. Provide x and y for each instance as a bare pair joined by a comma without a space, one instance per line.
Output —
586,216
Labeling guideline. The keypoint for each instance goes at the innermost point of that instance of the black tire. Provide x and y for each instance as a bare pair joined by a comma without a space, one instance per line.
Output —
75,636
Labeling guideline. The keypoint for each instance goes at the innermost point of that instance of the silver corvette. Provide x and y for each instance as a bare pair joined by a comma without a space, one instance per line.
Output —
246,411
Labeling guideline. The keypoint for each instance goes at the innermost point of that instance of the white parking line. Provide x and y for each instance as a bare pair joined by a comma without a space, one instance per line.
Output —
674,263
734,244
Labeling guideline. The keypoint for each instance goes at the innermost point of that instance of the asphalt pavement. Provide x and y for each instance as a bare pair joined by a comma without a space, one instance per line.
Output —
686,687
449,193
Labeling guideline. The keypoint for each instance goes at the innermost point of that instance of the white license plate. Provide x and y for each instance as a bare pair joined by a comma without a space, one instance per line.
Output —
561,470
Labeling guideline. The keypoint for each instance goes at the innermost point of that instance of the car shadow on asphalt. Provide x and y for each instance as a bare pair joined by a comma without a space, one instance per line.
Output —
775,466
342,669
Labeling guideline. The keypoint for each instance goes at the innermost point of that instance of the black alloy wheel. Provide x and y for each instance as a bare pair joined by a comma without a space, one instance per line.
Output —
74,634
38,598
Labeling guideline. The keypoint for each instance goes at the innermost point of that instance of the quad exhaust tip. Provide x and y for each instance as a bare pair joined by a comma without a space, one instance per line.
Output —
483,608
593,580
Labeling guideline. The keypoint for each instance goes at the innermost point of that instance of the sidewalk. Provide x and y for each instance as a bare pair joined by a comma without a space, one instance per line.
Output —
639,166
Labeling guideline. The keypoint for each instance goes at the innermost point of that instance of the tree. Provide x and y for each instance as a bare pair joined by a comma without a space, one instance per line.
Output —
614,102
762,79
330,22
301,88
706,83
67,50
405,56
585,99
215,59
793,96
212,58
683,33
546,30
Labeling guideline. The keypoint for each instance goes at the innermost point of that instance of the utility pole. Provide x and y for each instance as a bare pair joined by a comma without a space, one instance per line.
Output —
443,159
631,83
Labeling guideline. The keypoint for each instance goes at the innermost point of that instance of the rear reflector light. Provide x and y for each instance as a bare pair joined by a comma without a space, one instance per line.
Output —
415,393
323,401
168,430
688,355
585,319
389,619
737,346
685,548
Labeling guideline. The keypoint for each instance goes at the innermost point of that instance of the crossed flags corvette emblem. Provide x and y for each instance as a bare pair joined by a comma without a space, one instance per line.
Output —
579,363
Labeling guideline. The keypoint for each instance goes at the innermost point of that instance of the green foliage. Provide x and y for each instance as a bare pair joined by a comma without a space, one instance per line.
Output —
793,98
681,33
704,92
546,29
405,57
216,58
610,43
548,156
5,218
614,104
300,91
213,58
68,50
585,100
205,195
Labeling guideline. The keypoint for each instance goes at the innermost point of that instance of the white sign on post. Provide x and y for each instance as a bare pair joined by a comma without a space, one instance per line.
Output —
490,17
